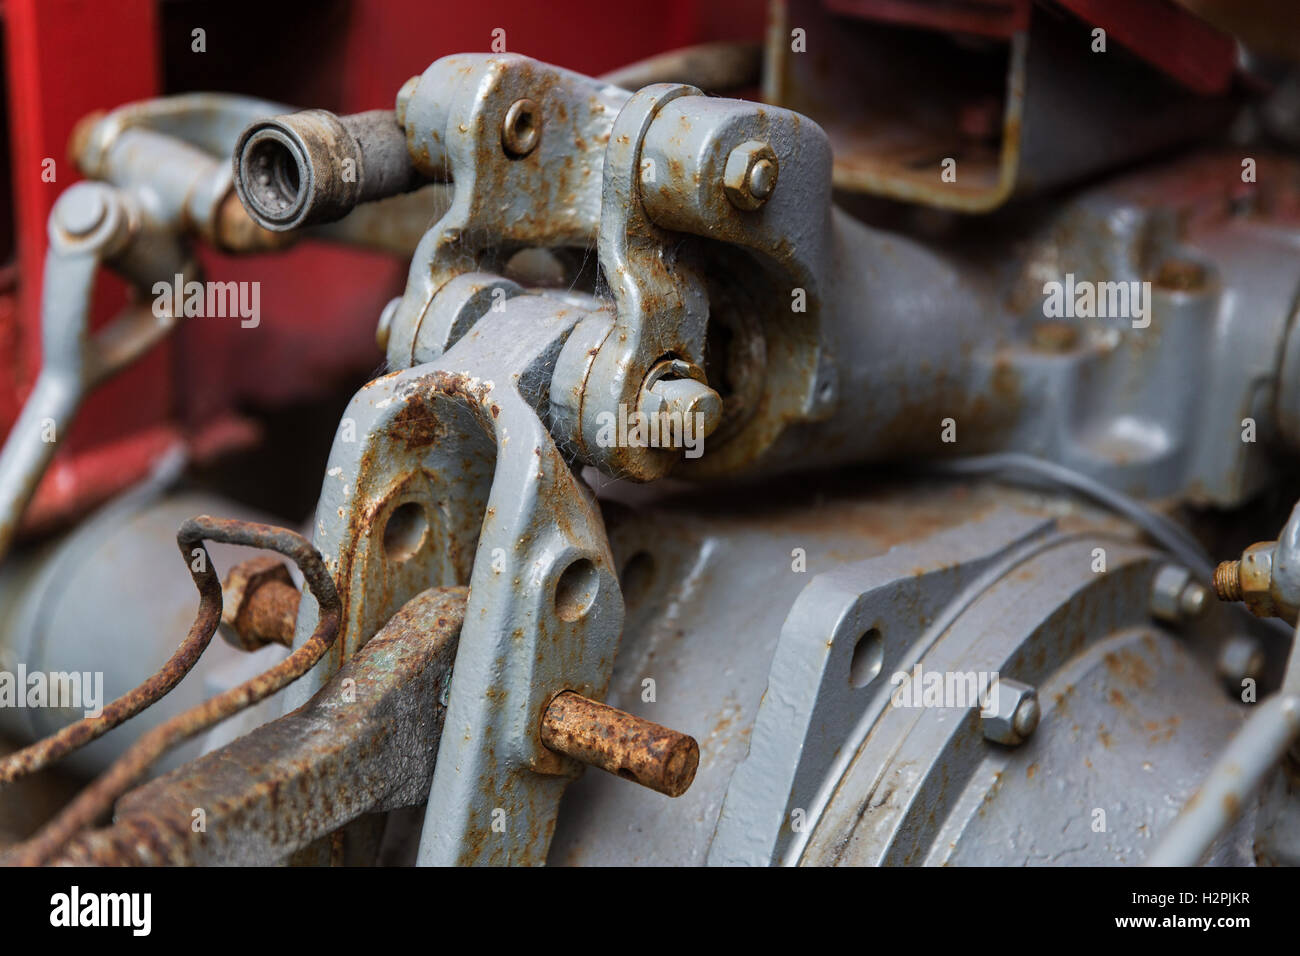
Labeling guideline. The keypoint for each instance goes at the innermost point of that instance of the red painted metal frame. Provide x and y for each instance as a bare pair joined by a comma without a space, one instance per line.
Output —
66,58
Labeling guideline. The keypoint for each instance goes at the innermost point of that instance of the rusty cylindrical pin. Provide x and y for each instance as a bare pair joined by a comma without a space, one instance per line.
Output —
630,747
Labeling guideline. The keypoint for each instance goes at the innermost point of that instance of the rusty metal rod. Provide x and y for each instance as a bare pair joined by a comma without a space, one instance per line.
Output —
629,747
366,743
97,798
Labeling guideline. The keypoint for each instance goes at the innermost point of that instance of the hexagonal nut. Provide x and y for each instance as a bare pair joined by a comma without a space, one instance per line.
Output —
1240,657
241,583
741,178
1176,595
1011,712
1257,578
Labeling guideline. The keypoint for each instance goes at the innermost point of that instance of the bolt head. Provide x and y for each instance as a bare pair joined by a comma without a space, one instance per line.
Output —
750,176
1239,658
675,387
1012,712
82,209
1194,600
1173,594
687,397
762,179
1025,720
1257,578
241,583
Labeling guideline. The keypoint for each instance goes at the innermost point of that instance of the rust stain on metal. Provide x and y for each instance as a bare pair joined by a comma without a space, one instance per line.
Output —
620,743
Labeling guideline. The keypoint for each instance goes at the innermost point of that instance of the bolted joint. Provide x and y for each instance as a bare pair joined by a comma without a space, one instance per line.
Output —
1227,581
82,210
677,388
1255,574
259,604
1176,596
91,214
687,397
1251,581
1011,713
1240,657
617,742
750,176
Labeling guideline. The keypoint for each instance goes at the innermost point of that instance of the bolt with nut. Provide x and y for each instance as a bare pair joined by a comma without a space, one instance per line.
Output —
1177,597
750,176
676,388
1011,713
83,210
259,604
1240,657
1251,580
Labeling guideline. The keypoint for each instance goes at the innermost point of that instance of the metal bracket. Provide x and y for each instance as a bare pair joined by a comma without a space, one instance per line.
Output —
423,456
456,116
809,708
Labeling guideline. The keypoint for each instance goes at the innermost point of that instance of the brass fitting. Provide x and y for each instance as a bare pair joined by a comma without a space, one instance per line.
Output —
1250,580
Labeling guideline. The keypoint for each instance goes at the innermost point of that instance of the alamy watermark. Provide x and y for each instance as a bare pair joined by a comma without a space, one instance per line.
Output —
637,429
68,690
959,689
220,300
1082,299
130,910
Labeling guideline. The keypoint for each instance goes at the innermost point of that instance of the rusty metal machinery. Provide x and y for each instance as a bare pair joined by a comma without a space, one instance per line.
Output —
740,488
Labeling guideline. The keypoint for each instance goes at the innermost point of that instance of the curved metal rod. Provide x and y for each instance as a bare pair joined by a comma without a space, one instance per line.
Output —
97,798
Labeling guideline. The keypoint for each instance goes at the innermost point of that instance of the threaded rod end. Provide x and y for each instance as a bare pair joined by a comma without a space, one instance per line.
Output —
1227,581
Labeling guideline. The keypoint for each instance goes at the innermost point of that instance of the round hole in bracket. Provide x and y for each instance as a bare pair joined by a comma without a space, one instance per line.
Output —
522,128
575,591
523,125
404,533
868,658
